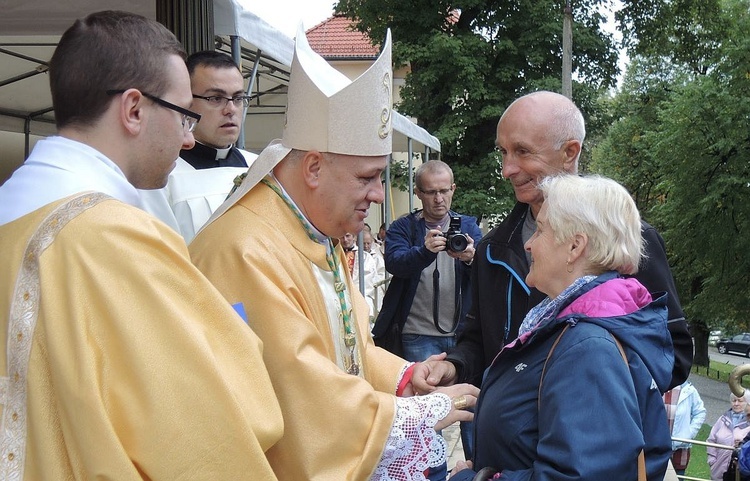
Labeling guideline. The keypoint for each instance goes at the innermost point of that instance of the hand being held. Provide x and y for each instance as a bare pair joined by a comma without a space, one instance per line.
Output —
433,372
463,396
460,466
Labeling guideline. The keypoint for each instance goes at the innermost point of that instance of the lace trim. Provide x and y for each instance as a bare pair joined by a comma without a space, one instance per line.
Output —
413,445
24,310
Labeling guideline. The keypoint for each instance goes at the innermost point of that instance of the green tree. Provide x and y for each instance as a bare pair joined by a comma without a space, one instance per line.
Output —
706,137
680,142
688,32
625,153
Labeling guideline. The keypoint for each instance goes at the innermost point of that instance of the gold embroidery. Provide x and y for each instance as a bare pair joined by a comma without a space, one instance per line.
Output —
385,114
24,310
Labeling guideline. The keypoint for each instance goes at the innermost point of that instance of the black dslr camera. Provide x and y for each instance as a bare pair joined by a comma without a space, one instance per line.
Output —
455,240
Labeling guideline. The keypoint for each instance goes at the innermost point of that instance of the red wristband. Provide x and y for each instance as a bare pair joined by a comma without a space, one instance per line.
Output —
406,379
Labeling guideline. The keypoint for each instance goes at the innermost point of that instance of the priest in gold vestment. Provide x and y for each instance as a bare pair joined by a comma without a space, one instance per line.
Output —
271,249
121,361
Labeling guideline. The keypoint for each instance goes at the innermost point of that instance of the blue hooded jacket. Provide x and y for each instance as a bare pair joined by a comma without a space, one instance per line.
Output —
592,414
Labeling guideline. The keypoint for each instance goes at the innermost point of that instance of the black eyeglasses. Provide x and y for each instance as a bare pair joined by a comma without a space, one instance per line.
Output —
189,118
217,101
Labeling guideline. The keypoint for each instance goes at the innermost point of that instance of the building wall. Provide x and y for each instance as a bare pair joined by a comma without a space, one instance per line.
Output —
12,152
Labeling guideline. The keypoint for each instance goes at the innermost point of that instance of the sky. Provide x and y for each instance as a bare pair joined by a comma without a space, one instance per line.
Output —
286,14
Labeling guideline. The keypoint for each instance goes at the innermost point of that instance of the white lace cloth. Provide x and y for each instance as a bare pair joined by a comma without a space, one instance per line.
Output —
413,445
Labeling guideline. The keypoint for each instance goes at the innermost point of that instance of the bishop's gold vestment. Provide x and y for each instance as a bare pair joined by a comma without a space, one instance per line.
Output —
335,424
136,367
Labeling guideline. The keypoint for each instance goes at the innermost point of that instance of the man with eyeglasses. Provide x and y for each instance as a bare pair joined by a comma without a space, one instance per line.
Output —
429,294
204,174
120,359
219,96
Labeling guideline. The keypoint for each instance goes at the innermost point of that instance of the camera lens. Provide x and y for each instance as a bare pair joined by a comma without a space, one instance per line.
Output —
458,243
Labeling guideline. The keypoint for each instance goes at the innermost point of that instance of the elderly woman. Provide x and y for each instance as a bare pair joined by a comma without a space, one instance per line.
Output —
560,402
730,429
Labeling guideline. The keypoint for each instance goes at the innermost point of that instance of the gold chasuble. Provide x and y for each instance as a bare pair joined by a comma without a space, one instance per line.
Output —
123,367
335,424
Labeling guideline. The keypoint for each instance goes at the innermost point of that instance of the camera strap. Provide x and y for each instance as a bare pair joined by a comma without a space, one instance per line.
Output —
416,216
436,302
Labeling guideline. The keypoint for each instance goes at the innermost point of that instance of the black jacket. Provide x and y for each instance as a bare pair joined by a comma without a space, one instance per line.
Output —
501,298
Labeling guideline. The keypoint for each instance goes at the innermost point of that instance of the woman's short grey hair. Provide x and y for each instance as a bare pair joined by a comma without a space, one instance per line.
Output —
603,210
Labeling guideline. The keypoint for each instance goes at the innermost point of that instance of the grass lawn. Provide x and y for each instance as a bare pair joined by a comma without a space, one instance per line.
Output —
719,371
698,468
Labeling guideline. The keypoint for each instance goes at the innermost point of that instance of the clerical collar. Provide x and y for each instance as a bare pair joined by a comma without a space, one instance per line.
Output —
202,156
221,154
208,152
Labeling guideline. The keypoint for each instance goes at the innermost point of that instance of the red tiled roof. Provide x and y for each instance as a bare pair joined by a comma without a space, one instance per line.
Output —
335,38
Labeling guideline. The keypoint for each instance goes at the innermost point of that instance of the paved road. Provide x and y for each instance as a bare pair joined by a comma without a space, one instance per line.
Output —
729,358
715,394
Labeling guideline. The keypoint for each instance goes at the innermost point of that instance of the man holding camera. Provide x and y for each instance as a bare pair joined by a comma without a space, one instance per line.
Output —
429,295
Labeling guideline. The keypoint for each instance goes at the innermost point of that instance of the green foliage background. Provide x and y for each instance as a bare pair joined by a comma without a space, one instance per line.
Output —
679,140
